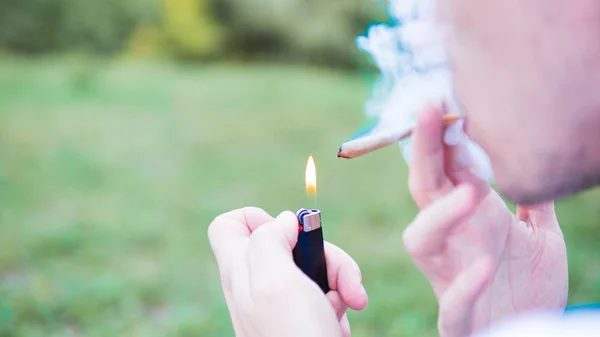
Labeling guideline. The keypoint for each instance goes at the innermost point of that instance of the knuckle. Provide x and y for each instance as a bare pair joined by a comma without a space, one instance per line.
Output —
444,308
424,192
260,235
410,244
446,323
419,196
413,188
250,209
248,212
413,237
450,317
214,226
217,225
287,214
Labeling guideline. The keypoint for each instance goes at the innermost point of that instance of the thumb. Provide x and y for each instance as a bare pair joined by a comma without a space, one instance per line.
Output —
276,237
539,216
270,263
270,246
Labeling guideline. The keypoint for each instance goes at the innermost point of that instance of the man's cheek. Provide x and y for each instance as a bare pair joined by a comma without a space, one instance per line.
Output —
478,21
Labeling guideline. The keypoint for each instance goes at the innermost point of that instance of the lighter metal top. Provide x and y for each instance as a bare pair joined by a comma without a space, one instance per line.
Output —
309,219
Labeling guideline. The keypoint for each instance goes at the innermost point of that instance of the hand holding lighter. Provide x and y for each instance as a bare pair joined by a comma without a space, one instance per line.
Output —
309,252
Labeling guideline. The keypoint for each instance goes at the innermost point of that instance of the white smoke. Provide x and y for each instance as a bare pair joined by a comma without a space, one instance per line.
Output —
411,56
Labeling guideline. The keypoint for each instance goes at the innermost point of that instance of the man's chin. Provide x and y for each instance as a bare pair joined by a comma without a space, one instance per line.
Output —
529,193
525,198
539,191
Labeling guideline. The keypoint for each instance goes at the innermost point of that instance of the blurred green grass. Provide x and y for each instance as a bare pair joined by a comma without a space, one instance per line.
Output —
110,174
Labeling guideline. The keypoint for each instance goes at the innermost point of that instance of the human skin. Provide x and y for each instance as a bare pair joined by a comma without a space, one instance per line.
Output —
484,263
267,295
527,74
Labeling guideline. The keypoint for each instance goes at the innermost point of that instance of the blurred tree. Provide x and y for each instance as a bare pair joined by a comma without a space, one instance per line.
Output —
146,42
190,29
37,26
307,31
28,26
312,31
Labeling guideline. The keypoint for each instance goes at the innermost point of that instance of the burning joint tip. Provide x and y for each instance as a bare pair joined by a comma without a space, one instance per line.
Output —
341,154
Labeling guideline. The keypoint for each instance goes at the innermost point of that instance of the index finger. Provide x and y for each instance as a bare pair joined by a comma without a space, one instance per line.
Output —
427,177
427,234
229,229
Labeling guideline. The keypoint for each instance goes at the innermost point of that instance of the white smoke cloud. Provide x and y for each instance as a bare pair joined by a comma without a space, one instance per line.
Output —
411,56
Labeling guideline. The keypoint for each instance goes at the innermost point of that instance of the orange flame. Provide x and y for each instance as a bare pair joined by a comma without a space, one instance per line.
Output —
311,177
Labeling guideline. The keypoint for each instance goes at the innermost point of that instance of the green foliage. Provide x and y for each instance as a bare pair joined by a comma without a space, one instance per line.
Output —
146,41
306,31
38,26
190,30
310,31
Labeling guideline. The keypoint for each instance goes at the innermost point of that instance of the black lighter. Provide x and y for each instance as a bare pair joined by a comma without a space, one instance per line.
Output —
309,253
